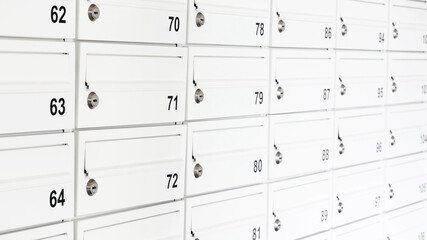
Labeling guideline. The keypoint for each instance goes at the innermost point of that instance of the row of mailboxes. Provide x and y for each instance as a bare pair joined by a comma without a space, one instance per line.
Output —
343,24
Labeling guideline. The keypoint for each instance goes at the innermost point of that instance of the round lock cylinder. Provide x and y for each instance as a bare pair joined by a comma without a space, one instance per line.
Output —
198,170
277,225
200,19
92,100
394,87
395,33
343,89
344,30
281,26
341,148
199,96
91,187
392,140
280,93
279,157
340,207
93,12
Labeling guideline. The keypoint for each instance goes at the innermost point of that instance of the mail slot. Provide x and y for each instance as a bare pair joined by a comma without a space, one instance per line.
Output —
164,221
36,180
371,229
229,22
62,231
124,168
133,21
406,223
226,154
227,82
300,207
239,214
300,144
301,80
122,84
36,85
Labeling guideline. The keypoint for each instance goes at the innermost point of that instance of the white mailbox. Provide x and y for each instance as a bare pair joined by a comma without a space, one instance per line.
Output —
300,207
361,79
406,180
406,223
362,24
227,82
371,229
229,22
155,223
307,23
300,144
125,168
407,129
301,80
36,85
63,231
360,136
38,19
130,84
161,21
226,154
358,193
237,214
36,180
407,82
408,25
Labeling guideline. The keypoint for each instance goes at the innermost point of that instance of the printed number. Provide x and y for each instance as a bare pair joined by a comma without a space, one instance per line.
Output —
324,216
328,33
423,188
377,201
422,236
326,92
54,14
424,89
173,99
256,233
173,177
259,99
423,138
325,154
379,147
257,166
381,37
380,92
425,39
54,106
56,200
259,29
175,23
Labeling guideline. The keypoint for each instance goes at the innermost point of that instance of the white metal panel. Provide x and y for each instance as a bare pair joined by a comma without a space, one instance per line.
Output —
159,222
36,85
304,23
237,214
36,180
371,229
406,223
38,19
131,167
300,144
229,22
234,82
301,80
300,207
322,236
134,84
162,21
62,231
226,154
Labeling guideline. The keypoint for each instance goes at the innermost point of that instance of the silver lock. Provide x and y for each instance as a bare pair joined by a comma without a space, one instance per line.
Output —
341,148
343,89
198,170
340,207
280,93
344,30
199,96
394,87
200,19
281,25
93,12
279,157
391,193
392,140
395,33
277,225
91,187
92,100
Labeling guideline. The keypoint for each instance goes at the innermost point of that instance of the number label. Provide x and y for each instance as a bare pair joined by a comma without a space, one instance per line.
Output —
174,100
57,106
259,97
174,24
381,37
326,92
54,200
423,188
257,166
259,29
54,16
377,201
424,89
380,92
324,216
379,147
256,233
328,32
325,154
425,39
423,138
172,180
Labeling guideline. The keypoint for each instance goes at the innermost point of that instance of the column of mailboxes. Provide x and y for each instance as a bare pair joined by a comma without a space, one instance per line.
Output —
173,119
